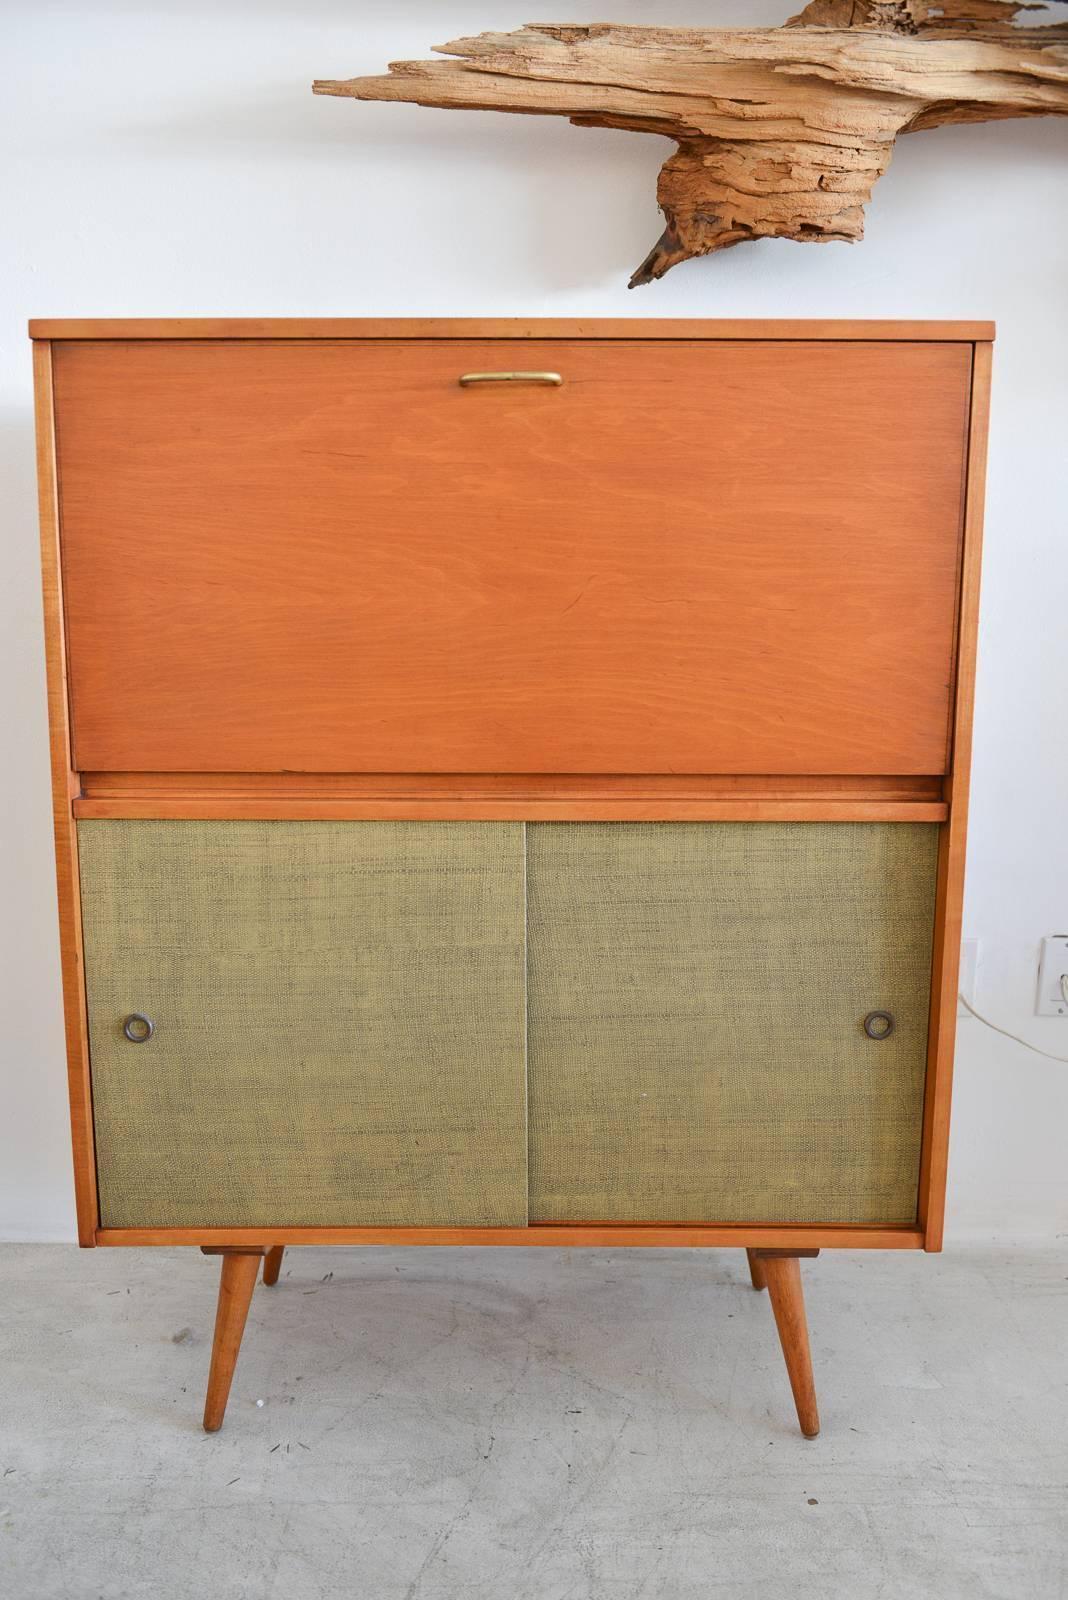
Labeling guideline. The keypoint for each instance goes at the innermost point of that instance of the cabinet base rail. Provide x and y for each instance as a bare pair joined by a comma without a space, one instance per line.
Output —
552,1235
778,1271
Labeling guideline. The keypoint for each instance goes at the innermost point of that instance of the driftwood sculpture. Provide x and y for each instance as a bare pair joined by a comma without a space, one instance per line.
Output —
781,132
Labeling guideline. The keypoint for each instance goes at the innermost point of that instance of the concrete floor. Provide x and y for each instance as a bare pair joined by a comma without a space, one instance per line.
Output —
533,1425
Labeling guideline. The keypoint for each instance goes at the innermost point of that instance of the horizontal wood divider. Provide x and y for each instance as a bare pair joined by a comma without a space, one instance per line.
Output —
531,810
518,810
688,328
484,785
508,797
660,1236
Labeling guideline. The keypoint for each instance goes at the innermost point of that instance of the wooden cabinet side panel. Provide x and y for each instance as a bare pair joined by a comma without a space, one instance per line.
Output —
64,787
952,849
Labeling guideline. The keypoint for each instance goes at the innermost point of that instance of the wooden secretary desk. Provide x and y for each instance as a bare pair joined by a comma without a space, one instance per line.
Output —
510,782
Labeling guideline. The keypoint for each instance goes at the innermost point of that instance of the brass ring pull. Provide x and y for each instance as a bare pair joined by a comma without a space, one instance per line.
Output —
879,1024
552,378
137,1027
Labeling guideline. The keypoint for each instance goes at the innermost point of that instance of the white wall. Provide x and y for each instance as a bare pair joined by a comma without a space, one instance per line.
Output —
168,159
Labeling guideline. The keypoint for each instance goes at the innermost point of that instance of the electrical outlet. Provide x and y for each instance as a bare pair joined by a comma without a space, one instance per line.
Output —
1051,1000
969,963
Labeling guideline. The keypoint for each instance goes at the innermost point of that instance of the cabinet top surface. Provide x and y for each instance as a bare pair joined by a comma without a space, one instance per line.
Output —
497,327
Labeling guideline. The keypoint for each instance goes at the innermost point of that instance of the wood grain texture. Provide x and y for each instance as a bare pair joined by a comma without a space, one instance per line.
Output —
513,797
585,1235
756,1270
228,793
951,860
534,809
272,1264
781,132
237,1281
508,786
413,576
64,785
446,328
782,1274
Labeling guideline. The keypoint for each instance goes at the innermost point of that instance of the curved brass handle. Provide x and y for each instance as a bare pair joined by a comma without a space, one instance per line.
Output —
553,378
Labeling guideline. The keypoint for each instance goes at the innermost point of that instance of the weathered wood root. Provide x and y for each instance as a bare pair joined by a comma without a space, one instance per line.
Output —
781,132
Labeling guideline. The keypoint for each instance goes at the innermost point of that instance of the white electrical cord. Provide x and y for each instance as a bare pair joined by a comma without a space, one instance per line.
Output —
1015,1037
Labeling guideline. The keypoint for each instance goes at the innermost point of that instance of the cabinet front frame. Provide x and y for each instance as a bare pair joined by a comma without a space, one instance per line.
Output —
482,797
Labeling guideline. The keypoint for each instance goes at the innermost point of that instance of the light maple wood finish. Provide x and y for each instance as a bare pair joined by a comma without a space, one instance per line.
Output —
506,786
951,860
64,784
756,1270
924,786
456,328
782,1274
65,781
221,501
781,132
240,1269
539,810
511,797
585,1235
272,1264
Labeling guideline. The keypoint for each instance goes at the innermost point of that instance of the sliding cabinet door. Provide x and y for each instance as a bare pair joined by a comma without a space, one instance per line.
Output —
697,1003
337,1022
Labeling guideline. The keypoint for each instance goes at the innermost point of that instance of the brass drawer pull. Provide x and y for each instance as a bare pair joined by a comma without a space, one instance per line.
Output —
137,1027
553,378
879,1024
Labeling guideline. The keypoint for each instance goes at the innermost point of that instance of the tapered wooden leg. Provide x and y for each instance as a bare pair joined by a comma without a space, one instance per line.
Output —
756,1270
272,1264
782,1272
240,1269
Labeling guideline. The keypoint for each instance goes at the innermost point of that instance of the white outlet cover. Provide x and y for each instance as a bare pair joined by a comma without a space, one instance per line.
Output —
1050,1000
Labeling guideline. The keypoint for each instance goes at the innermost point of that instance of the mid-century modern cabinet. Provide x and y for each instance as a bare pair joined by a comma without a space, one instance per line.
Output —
510,782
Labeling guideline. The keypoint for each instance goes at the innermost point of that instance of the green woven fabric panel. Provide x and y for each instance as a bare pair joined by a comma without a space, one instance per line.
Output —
696,994
339,1012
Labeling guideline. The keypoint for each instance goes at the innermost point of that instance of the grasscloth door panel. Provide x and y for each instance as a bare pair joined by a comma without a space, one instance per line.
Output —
338,1013
696,999
690,557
